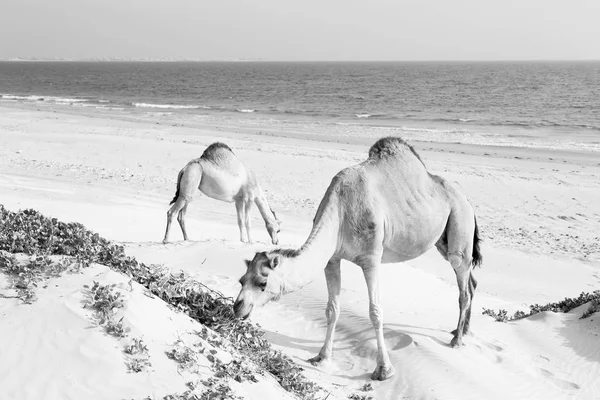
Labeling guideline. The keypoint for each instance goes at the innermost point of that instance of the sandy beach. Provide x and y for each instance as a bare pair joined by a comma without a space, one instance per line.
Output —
116,172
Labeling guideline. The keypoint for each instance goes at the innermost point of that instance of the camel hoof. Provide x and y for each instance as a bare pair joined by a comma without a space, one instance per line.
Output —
165,241
455,342
383,372
454,332
318,361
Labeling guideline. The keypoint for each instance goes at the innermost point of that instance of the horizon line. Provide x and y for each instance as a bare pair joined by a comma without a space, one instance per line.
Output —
242,60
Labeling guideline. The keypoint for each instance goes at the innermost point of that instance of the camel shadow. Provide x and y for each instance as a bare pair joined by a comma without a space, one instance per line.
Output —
360,344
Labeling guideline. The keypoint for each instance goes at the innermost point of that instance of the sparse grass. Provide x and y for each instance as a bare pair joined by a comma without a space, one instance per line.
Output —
594,308
217,390
367,387
209,389
356,396
32,233
137,364
116,328
27,274
183,355
138,357
136,347
563,306
236,370
104,300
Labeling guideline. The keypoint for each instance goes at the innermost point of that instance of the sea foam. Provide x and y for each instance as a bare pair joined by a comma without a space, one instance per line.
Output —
174,106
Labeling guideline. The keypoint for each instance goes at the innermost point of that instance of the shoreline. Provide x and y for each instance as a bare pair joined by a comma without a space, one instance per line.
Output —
345,130
238,124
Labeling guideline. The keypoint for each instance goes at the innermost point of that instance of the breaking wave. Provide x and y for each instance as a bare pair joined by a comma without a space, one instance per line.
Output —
35,97
173,106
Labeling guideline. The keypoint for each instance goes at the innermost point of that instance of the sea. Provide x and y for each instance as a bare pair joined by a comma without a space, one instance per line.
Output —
553,105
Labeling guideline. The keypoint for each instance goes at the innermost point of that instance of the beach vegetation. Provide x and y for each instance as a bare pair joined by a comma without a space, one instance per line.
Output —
32,233
563,306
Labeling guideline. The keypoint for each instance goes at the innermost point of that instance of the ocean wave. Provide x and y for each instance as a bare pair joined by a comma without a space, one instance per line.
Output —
174,106
83,104
17,97
380,116
545,124
103,101
37,97
245,110
454,119
464,136
64,99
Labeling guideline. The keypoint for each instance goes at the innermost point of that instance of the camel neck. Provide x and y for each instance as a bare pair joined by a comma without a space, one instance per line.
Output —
299,267
263,208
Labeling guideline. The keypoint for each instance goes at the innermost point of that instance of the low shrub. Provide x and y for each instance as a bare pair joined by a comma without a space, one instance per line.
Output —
563,306
30,232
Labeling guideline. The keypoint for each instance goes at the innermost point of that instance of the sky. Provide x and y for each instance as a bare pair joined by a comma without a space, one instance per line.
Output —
302,30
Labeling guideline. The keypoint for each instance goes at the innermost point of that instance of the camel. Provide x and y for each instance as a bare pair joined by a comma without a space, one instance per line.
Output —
219,174
387,209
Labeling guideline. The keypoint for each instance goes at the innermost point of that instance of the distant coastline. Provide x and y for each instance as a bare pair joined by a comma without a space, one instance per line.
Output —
192,59
118,59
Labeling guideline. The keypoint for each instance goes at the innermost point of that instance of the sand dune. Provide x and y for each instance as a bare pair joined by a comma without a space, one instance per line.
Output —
539,219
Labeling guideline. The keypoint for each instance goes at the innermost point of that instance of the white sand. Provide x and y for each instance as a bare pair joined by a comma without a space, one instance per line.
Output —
539,215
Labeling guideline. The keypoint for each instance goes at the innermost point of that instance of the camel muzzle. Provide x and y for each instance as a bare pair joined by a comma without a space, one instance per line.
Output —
238,310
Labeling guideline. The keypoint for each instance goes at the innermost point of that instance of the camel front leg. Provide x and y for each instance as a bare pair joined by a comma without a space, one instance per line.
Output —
239,207
332,312
384,368
247,219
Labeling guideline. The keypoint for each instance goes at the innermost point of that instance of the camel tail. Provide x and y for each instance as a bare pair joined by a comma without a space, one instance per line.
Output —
178,186
477,257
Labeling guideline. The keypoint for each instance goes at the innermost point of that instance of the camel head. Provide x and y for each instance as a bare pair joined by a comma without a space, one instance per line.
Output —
260,283
274,227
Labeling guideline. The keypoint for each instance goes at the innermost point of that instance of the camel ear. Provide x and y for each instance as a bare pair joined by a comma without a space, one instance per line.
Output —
248,262
274,260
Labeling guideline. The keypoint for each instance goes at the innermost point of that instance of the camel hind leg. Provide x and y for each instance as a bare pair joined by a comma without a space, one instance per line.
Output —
332,312
180,205
456,245
181,220
187,183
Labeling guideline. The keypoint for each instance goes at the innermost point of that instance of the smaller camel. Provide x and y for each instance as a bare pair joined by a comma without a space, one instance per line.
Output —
219,174
387,209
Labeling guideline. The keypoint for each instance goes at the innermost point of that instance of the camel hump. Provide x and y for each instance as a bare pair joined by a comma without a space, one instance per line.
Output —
215,151
391,147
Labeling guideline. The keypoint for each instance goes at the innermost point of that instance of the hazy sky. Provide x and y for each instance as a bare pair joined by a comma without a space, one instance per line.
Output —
302,29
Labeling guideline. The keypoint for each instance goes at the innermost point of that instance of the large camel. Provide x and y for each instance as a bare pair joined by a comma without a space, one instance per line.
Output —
219,174
387,209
